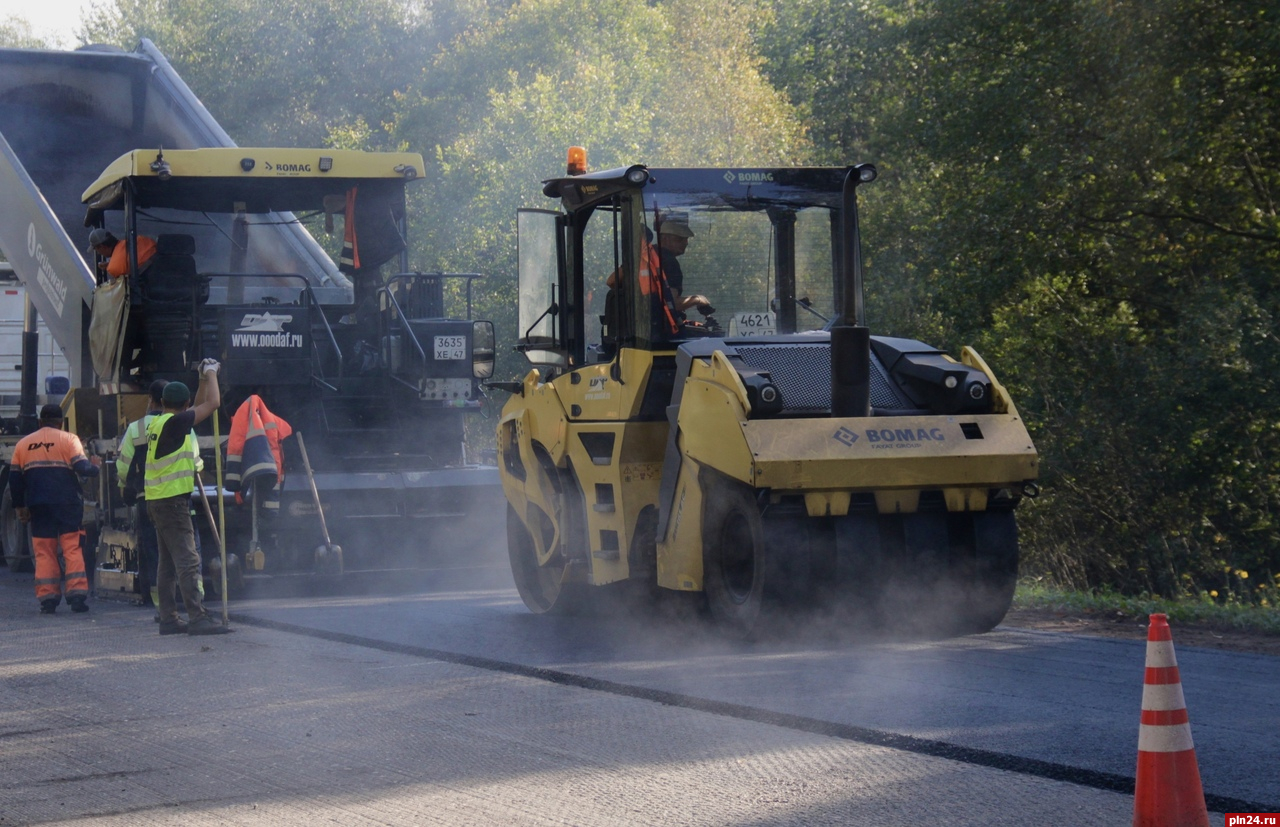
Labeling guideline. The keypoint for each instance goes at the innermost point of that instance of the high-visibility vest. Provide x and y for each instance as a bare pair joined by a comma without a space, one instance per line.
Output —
174,475
135,439
118,264
654,281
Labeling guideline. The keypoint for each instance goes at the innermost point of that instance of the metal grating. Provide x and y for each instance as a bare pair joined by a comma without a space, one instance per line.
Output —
803,373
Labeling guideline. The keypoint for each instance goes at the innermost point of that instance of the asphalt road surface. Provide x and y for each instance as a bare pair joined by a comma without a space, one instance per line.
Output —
434,697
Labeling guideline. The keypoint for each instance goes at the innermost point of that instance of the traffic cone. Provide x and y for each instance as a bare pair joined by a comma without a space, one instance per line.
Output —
1168,791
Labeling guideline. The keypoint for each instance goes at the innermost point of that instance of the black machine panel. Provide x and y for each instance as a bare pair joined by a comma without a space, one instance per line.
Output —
265,345
802,373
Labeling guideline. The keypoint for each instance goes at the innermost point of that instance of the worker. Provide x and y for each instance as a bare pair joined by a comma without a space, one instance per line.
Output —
662,278
673,239
130,465
46,494
116,252
169,480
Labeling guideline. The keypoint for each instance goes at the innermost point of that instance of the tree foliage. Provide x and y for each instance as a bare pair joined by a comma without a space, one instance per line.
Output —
1087,189
283,72
16,33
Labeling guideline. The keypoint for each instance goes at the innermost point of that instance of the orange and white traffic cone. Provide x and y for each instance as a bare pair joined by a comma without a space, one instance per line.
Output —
1168,791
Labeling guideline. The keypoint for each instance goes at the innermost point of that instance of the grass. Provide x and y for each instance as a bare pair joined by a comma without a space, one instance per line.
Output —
1203,610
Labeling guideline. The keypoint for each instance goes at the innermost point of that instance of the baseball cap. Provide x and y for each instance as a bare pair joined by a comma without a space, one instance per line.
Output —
677,227
100,236
175,393
51,411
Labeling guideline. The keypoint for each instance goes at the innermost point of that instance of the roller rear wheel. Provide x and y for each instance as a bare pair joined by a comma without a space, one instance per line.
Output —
734,557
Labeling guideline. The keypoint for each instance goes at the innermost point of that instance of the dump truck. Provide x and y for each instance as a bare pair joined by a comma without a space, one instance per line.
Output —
377,366
707,411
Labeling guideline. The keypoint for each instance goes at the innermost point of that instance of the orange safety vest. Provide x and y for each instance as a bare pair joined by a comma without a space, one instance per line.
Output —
119,264
654,281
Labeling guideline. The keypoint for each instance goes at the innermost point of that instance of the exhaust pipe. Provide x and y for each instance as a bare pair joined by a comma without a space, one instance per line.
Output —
850,338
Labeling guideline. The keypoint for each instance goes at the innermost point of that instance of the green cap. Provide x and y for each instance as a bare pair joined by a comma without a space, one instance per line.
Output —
175,393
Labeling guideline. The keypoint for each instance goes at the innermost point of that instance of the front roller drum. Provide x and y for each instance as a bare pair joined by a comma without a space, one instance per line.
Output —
542,588
994,572
934,573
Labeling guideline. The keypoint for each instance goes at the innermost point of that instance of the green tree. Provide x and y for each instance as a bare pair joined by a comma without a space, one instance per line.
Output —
619,77
283,72
1086,190
16,33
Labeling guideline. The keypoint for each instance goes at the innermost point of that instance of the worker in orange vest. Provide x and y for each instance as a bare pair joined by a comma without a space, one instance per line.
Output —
662,278
46,494
116,252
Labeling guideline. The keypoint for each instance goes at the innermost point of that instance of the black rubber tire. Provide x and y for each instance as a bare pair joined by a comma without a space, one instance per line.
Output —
14,536
734,557
540,587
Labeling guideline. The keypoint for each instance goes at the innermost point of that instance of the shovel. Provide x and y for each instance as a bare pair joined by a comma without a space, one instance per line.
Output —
328,556
217,536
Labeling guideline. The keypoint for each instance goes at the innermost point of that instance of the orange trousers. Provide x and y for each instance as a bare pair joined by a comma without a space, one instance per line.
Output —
59,559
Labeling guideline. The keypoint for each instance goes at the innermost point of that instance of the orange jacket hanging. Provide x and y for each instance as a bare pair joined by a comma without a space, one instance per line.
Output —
253,446
349,258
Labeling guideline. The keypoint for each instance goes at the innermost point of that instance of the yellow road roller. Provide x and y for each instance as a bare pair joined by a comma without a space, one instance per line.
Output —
707,411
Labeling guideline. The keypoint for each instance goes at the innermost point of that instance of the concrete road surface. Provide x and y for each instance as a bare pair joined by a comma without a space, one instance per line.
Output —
103,722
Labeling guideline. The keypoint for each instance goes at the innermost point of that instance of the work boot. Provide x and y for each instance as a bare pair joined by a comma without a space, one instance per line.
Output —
78,605
48,606
206,626
177,627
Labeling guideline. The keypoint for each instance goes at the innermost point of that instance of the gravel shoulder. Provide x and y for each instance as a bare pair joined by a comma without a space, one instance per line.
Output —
1119,624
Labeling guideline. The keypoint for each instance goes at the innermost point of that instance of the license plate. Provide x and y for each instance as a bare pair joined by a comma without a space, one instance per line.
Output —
450,347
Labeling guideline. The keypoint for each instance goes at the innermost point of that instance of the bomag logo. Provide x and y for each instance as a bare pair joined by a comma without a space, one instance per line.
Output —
890,437
749,177
270,167
905,435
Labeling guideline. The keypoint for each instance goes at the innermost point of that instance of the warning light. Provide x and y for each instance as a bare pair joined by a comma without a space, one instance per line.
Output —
577,161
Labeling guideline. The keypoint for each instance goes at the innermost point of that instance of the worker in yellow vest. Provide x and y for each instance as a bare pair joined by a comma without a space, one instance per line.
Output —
131,465
168,483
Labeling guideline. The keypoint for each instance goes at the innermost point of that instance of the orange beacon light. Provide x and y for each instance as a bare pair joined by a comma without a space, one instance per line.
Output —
577,160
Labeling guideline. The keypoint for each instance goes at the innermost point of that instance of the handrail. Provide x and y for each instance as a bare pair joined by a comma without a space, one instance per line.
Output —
333,340
407,329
